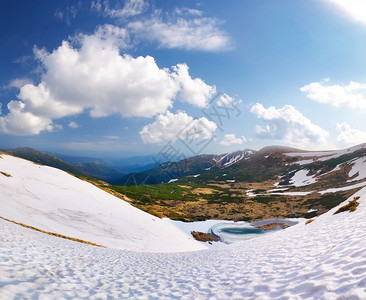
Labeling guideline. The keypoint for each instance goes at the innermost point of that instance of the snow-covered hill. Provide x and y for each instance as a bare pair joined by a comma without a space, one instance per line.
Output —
315,166
325,259
55,201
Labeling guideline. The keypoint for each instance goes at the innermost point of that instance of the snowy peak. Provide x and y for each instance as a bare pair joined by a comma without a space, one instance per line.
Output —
229,159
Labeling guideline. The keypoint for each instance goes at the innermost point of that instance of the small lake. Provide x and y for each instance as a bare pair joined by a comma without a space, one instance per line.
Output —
230,232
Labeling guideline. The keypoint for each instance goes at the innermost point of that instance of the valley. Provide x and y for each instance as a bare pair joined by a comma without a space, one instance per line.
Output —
282,185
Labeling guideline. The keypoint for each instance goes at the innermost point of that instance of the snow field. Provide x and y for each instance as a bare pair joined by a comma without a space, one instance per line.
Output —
359,168
325,259
54,201
301,178
322,260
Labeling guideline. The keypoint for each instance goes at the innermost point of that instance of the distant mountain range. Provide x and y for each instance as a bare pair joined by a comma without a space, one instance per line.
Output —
253,166
206,163
87,167
240,166
44,158
108,170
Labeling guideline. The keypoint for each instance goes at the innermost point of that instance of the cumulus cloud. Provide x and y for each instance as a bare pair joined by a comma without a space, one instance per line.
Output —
190,32
130,8
224,100
193,91
96,78
352,95
231,139
20,122
167,127
355,9
288,125
348,136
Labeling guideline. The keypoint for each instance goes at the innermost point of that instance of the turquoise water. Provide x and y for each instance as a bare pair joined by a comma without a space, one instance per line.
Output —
241,230
231,233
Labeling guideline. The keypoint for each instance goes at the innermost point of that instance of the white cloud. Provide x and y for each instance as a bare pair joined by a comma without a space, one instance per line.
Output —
111,34
20,122
288,125
348,136
191,32
131,8
193,91
224,100
166,128
352,95
355,9
184,28
95,78
73,125
231,139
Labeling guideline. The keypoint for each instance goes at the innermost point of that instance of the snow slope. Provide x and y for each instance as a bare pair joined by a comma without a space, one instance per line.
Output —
359,169
54,201
325,259
326,155
301,178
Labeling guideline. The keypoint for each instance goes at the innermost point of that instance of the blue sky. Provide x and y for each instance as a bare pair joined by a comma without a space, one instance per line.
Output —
124,78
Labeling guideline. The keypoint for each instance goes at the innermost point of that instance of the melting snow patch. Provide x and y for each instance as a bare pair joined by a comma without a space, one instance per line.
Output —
301,178
359,168
303,162
234,160
250,194
293,193
345,188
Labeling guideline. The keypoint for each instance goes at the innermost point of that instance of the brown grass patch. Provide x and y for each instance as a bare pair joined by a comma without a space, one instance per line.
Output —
53,233
5,174
185,186
309,221
350,206
207,191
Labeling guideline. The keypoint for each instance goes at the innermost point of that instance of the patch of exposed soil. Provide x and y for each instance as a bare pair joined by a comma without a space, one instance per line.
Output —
204,237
